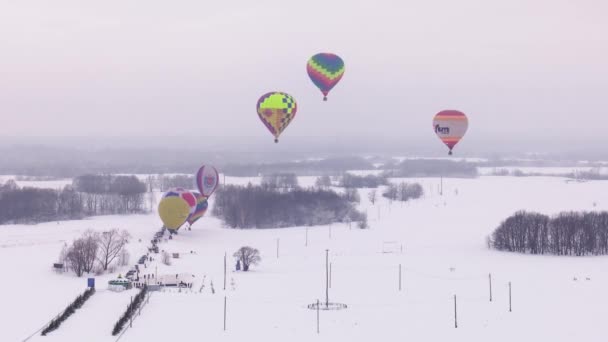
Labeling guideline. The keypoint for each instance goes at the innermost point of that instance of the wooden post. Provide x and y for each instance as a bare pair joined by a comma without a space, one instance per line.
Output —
224,313
455,314
490,278
278,248
330,231
224,271
509,296
318,309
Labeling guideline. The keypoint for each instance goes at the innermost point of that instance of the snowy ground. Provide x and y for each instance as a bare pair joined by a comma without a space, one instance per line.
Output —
444,253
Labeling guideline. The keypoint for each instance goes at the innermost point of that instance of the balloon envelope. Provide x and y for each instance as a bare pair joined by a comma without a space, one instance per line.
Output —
185,194
173,211
325,71
207,180
450,126
276,110
201,208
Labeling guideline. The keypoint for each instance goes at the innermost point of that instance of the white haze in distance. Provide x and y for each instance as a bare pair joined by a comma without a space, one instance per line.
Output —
522,69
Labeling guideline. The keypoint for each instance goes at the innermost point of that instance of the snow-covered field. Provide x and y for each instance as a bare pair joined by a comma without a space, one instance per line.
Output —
444,254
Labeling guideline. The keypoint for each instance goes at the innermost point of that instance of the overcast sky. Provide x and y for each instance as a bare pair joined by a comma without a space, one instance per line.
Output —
520,69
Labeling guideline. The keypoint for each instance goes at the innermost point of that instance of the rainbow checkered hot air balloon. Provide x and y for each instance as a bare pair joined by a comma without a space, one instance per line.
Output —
325,70
276,110
201,208
450,126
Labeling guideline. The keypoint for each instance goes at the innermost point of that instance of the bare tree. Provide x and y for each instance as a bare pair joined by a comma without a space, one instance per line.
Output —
372,196
247,256
91,241
81,255
111,244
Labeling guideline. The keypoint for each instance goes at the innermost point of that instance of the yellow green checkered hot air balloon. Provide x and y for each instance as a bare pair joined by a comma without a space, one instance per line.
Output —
276,110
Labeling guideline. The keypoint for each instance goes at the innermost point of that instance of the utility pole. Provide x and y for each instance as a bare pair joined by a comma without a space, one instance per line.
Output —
224,271
399,277
509,296
490,278
455,314
224,313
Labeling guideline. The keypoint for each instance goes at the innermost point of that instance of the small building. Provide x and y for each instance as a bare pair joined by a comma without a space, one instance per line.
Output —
119,285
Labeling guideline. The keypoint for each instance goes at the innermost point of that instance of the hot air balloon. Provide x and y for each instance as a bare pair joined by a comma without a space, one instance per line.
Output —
450,126
173,211
201,208
276,110
207,180
325,70
185,195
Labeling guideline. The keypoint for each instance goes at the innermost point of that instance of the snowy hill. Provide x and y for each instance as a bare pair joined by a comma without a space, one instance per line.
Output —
444,254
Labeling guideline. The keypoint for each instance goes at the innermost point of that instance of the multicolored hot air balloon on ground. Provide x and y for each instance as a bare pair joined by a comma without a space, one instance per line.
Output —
173,210
178,193
325,70
450,126
207,180
276,110
201,208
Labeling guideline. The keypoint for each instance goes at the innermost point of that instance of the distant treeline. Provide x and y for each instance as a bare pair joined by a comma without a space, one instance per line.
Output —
568,233
89,195
264,207
594,174
301,168
431,168
353,181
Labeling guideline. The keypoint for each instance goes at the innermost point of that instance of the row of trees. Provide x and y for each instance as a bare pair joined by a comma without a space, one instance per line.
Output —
110,194
69,311
89,195
32,205
135,304
402,192
96,249
568,233
262,207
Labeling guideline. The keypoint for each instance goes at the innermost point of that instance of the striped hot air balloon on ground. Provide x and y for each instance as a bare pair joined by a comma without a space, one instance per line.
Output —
450,126
276,110
325,70
201,208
